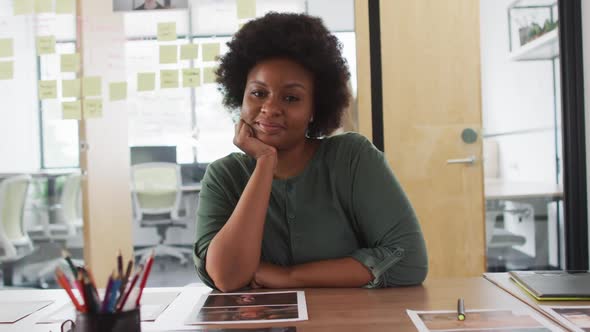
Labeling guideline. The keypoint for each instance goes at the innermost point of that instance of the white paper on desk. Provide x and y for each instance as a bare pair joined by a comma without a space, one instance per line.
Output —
249,307
152,305
493,320
11,312
576,318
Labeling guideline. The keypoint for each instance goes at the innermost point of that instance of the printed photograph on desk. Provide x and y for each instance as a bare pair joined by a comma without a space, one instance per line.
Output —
245,299
480,320
577,318
260,329
255,307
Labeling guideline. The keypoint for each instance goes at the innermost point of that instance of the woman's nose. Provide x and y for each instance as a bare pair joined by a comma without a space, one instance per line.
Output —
271,107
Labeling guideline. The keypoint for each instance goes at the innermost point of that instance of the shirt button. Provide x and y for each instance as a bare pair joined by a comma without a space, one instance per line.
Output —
291,216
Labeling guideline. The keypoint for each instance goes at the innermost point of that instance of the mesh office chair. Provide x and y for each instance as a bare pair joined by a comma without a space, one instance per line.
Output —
67,226
14,241
157,193
69,220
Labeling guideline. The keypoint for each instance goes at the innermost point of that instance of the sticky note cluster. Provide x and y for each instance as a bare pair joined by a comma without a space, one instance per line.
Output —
6,66
27,7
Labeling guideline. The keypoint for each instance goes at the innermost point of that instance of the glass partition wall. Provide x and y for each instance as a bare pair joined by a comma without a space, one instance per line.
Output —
40,207
523,166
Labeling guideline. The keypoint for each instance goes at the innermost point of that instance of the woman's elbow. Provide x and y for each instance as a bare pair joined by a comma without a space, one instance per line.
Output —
228,285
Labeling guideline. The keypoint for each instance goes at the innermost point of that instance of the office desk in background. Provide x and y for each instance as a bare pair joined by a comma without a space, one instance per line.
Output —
547,237
505,190
338,309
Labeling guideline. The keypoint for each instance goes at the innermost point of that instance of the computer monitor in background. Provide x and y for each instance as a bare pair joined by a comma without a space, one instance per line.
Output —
151,154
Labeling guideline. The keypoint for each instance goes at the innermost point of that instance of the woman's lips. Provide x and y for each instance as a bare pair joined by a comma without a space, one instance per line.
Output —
269,127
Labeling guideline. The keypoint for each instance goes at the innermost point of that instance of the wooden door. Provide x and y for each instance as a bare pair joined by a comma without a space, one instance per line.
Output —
431,93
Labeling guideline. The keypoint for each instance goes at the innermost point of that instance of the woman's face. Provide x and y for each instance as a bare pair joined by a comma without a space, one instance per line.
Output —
278,102
252,312
246,299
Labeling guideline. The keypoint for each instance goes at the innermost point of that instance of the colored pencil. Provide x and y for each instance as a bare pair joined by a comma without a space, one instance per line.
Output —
65,284
146,273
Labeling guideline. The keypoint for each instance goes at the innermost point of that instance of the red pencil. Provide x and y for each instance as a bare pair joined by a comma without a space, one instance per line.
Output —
144,278
65,284
131,285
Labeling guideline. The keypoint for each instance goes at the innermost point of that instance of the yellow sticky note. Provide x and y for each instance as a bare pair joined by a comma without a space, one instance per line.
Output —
47,89
92,108
70,88
91,86
118,91
189,51
210,51
6,48
169,79
45,45
246,8
191,77
71,110
6,70
168,54
209,75
70,63
146,81
65,6
43,6
166,31
23,7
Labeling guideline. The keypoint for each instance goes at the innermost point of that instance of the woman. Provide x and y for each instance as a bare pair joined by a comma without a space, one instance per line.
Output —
295,210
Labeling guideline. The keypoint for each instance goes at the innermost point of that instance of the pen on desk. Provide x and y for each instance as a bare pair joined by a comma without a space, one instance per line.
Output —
461,310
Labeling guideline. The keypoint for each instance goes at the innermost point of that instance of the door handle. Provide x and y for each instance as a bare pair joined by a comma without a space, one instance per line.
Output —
469,160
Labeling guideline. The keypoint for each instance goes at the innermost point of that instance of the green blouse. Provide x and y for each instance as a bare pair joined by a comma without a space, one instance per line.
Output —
346,203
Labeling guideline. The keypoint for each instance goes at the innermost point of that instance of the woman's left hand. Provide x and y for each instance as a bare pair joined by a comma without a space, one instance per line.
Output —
272,276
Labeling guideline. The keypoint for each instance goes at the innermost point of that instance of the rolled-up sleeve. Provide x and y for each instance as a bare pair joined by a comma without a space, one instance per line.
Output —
394,248
212,213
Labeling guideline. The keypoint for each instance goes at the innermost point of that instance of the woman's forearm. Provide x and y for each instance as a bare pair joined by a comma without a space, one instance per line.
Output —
340,272
234,253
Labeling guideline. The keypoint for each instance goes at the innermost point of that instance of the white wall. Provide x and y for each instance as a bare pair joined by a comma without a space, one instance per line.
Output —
516,96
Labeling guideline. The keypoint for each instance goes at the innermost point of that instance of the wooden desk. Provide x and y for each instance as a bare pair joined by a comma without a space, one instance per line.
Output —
328,309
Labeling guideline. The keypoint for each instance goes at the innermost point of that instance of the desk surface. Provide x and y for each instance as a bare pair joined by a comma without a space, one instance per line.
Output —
522,190
328,309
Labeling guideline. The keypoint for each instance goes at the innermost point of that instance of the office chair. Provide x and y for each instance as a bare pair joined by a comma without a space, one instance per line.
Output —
67,226
157,194
15,244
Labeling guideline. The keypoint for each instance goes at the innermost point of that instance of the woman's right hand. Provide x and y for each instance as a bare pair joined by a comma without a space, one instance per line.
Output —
246,140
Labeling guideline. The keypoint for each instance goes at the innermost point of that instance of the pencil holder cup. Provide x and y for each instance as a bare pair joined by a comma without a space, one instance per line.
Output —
126,321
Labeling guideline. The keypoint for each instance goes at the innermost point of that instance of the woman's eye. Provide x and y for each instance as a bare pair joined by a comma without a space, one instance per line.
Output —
291,99
257,93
